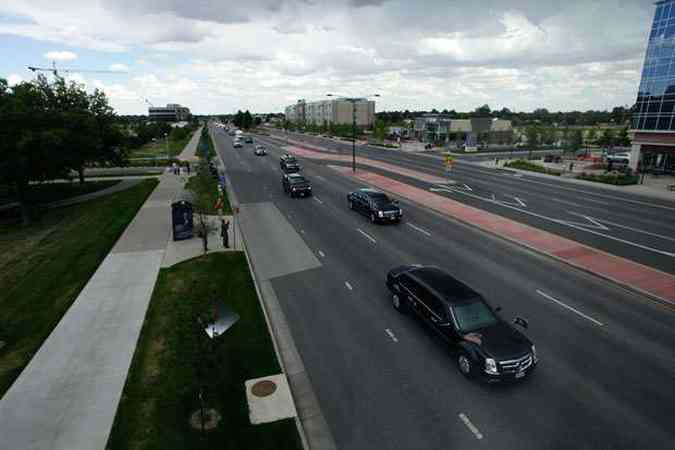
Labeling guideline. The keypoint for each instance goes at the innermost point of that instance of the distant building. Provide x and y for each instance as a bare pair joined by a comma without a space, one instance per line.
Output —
440,129
334,111
169,113
653,123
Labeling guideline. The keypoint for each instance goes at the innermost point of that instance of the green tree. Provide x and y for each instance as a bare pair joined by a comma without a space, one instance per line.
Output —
247,120
483,110
380,130
576,140
623,139
608,138
532,133
591,135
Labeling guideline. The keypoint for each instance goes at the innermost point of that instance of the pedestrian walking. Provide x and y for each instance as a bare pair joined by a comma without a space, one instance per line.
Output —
175,168
224,228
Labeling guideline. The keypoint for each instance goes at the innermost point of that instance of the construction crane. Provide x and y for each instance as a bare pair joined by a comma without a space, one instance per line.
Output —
56,71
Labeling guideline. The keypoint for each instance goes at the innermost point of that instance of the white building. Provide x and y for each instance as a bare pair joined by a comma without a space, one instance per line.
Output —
333,111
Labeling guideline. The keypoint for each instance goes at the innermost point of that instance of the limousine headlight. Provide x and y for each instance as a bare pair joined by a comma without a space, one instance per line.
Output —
380,213
491,366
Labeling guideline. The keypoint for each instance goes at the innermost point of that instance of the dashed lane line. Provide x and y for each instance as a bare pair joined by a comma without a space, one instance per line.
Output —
421,230
367,236
391,335
349,286
476,432
566,306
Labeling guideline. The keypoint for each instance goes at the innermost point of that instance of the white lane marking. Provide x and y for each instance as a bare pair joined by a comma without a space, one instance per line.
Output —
319,177
415,227
349,286
545,295
522,203
391,334
322,254
317,199
476,432
367,236
593,223
569,224
637,230
468,188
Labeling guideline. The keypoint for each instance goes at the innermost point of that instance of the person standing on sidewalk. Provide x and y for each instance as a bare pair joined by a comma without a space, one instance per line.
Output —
224,229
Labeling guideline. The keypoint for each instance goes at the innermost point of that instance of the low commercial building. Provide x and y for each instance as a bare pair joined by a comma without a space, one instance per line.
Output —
440,129
340,111
172,112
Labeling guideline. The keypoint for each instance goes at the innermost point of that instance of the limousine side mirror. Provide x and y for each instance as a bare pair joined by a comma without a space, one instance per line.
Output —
520,321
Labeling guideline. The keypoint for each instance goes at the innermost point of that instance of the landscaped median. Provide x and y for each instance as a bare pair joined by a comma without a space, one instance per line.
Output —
45,265
521,164
174,358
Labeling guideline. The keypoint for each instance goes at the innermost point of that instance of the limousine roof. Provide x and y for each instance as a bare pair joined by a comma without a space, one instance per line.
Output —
444,284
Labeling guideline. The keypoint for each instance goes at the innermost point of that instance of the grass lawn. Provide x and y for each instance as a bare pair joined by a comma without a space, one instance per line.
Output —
44,266
53,192
158,148
162,387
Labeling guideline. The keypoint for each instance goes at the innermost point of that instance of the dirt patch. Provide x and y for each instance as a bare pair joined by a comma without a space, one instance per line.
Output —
211,419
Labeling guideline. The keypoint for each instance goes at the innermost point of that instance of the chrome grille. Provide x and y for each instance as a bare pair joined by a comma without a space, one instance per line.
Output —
516,365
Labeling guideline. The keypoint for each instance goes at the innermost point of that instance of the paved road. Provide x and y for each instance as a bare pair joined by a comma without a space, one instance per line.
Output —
383,382
632,226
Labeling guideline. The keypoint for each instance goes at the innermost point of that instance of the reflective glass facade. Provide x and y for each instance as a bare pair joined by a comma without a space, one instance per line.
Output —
655,106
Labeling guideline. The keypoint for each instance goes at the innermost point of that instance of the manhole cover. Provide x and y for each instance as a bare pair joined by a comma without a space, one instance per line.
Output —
263,388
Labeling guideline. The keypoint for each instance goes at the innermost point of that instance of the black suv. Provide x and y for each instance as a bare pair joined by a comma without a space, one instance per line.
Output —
296,185
375,204
486,345
289,165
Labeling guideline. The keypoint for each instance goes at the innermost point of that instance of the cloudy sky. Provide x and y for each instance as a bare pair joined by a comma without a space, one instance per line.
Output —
218,56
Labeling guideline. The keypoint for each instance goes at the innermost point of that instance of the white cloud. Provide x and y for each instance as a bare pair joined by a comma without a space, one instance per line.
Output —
119,67
60,56
261,54
14,79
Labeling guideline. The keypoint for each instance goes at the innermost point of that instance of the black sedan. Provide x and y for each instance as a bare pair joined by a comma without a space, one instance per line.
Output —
375,205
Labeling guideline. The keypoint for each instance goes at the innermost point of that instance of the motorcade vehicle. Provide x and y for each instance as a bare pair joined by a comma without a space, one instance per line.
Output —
375,205
237,144
260,150
483,344
296,185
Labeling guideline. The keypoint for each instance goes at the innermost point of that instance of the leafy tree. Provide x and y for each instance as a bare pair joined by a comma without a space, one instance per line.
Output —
591,135
380,130
608,138
247,120
532,134
623,139
576,140
483,110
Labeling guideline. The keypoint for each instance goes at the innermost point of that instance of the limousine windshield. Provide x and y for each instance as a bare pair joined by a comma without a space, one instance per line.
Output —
473,316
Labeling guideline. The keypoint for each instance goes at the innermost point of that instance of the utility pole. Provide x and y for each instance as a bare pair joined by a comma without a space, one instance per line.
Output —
353,101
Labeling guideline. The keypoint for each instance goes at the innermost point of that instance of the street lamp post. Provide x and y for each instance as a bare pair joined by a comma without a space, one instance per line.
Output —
353,101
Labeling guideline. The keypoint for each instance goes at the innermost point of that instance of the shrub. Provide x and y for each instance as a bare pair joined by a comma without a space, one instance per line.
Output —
532,167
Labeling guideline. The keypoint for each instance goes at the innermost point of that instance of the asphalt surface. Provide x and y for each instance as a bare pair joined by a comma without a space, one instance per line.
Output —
635,227
606,361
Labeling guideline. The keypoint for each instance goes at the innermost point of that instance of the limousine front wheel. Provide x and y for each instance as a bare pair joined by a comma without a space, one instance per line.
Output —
396,302
465,365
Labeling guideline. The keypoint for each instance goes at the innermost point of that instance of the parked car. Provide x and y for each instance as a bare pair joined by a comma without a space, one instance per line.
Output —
260,150
375,204
236,144
484,345
296,185
619,158
248,140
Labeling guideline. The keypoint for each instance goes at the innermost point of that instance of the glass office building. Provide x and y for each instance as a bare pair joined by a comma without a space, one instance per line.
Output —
653,122
655,106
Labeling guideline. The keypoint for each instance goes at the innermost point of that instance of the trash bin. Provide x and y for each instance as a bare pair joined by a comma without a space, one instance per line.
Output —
181,216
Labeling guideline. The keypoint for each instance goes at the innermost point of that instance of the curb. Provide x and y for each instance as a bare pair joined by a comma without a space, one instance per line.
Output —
263,300
618,283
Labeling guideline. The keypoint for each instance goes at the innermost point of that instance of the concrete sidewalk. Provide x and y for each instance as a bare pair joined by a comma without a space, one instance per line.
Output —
67,396
632,275
189,153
